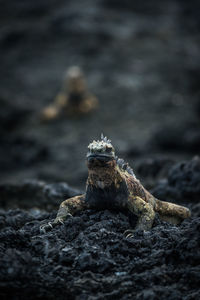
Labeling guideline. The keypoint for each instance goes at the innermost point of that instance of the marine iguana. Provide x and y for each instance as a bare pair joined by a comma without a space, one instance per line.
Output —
74,98
111,184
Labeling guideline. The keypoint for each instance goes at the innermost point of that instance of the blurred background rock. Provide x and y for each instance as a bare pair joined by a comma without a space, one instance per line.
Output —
141,60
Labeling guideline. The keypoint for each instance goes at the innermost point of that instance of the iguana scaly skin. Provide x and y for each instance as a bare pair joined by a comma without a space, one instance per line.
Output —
112,185
73,100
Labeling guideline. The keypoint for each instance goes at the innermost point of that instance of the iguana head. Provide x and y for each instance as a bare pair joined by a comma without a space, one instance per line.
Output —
74,81
101,157
100,153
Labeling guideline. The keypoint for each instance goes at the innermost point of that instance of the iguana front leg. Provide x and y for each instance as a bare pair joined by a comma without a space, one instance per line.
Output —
53,111
66,210
144,212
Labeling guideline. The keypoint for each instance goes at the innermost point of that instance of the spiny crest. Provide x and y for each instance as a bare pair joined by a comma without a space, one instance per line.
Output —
105,139
101,145
125,166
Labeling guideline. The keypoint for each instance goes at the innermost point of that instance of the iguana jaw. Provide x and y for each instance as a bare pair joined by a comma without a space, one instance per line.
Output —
99,156
96,161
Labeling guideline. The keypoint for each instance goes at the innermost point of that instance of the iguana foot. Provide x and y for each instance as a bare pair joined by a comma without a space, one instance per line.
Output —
49,113
50,225
129,233
46,227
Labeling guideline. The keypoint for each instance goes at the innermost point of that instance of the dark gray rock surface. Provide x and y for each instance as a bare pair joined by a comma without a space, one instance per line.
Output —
35,194
182,184
141,59
88,257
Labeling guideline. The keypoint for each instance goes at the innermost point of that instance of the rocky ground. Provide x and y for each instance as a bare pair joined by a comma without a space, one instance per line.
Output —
88,257
142,62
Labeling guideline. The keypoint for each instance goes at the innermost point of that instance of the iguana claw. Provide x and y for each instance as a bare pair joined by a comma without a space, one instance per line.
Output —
60,221
50,225
46,227
129,233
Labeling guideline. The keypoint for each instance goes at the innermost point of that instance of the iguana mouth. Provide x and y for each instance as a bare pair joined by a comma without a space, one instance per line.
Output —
98,156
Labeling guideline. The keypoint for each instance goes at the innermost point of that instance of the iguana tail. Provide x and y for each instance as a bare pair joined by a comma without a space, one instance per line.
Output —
171,212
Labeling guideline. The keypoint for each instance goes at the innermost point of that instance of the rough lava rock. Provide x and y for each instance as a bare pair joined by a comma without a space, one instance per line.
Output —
88,257
183,182
33,193
186,139
142,61
182,185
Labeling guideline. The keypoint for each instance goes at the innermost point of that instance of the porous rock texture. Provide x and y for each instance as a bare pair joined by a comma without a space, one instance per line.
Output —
89,258
33,193
182,185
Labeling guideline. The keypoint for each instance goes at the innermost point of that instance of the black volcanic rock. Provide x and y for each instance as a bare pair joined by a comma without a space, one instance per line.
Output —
153,167
182,184
21,152
88,258
141,59
179,139
11,116
32,193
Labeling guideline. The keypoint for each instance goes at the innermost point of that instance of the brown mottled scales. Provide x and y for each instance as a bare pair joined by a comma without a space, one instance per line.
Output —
111,184
74,98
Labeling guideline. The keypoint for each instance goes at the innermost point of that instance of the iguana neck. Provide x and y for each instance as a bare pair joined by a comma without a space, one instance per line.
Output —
76,98
104,177
106,189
